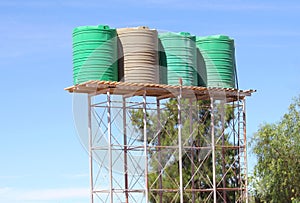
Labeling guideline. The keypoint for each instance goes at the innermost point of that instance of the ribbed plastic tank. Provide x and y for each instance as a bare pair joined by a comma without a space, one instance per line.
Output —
180,49
94,54
140,54
218,53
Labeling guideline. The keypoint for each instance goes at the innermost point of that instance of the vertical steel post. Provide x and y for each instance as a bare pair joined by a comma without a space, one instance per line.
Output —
109,147
125,150
223,114
90,134
159,150
180,143
213,148
192,150
145,147
240,182
234,143
245,150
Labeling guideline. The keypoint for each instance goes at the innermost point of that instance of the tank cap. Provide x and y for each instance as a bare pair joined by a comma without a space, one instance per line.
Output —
143,27
185,33
104,27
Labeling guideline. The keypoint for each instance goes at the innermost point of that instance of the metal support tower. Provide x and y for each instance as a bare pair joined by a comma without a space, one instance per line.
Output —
141,151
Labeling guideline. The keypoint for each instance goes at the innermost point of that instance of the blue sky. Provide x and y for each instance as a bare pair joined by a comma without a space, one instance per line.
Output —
41,157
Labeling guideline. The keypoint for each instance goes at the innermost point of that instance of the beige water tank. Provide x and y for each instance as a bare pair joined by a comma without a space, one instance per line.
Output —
140,51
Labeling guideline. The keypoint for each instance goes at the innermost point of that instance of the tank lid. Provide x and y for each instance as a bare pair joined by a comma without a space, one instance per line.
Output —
91,27
214,37
132,29
179,34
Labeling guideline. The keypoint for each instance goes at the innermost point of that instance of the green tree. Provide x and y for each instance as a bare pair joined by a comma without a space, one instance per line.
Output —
277,148
201,136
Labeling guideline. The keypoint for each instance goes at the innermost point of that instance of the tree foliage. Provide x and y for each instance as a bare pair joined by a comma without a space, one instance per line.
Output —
201,137
277,147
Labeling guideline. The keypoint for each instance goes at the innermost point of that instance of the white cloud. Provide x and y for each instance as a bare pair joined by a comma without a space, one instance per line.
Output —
12,176
76,176
5,190
54,194
8,194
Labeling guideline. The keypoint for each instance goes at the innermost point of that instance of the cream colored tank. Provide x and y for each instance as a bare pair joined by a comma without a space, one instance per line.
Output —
140,51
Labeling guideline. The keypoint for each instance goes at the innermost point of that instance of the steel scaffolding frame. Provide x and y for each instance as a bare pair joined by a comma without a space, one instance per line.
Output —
123,157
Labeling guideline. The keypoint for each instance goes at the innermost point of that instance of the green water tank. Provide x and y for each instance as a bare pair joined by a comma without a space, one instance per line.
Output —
218,53
180,51
94,54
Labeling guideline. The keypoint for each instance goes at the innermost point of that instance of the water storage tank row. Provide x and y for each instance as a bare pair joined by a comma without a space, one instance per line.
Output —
142,55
